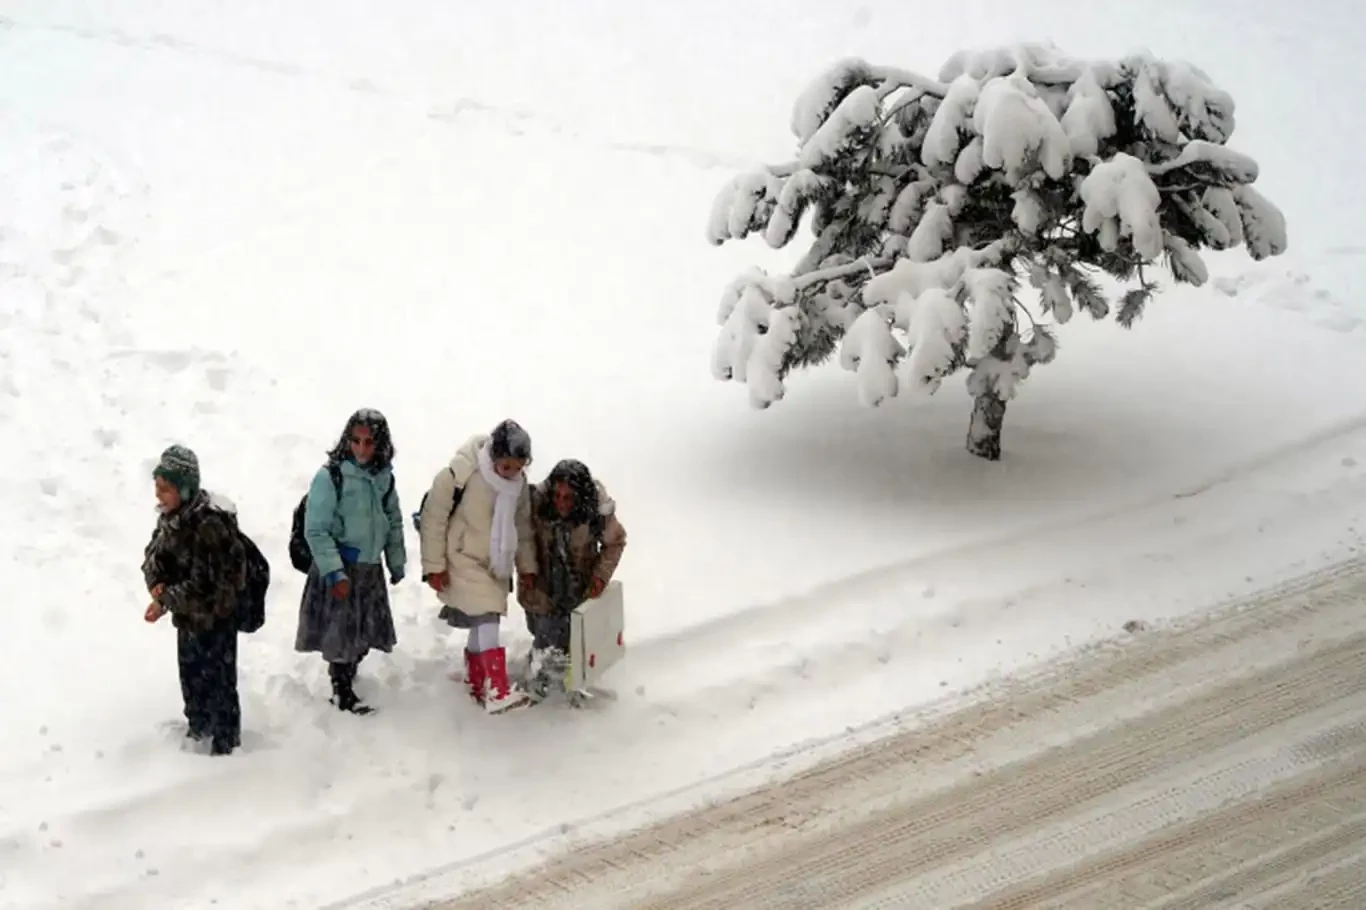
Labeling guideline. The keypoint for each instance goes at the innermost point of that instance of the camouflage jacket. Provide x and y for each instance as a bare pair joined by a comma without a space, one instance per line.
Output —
198,555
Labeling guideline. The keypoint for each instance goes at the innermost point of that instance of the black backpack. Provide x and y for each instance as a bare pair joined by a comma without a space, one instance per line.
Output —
300,556
251,600
251,603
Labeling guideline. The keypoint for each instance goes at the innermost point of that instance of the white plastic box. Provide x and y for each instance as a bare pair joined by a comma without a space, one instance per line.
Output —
597,639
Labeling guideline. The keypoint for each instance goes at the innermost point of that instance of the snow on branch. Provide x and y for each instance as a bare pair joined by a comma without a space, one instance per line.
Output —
849,126
1120,200
816,105
952,119
1089,118
1217,163
1263,224
871,351
1020,134
929,198
847,270
990,294
800,190
937,324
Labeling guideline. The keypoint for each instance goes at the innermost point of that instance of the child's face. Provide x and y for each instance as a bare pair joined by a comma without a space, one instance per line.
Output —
508,468
168,497
362,444
563,499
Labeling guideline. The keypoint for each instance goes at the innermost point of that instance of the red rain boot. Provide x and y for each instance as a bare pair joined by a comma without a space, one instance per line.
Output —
502,696
476,679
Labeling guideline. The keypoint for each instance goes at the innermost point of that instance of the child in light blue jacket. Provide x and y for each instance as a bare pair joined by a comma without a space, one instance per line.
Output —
353,524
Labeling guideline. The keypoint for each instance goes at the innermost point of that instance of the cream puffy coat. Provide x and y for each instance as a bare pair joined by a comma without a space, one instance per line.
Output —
462,549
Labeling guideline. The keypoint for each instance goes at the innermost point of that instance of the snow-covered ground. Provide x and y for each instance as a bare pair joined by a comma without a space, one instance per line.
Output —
231,224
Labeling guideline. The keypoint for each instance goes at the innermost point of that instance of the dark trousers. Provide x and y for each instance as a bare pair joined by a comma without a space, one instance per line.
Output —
208,682
550,630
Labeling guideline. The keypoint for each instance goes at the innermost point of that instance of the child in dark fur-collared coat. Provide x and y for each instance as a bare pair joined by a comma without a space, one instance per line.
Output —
195,567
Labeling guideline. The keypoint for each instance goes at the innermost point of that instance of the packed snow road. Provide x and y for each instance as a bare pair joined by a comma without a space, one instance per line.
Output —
1221,763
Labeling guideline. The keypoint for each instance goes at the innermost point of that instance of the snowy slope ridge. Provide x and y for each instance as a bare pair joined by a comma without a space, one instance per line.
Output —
236,256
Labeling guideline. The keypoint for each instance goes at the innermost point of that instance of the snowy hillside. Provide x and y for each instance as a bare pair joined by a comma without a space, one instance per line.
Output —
231,224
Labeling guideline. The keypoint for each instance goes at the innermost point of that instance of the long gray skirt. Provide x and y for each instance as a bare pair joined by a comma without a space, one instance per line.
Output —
459,619
346,630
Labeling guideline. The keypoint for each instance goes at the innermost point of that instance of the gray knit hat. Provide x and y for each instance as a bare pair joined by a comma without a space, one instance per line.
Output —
179,466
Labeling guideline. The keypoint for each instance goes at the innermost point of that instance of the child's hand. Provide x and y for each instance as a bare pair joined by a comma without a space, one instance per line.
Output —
154,612
596,586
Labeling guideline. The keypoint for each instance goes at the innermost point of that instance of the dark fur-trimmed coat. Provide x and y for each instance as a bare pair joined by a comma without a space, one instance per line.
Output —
197,553
580,554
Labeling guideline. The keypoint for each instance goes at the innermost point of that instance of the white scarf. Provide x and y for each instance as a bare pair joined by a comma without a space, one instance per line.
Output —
503,536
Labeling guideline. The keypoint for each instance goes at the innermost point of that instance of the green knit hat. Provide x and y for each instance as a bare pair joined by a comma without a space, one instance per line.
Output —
180,467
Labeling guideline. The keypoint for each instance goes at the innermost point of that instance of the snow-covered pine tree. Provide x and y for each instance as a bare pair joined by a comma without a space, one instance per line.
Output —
931,199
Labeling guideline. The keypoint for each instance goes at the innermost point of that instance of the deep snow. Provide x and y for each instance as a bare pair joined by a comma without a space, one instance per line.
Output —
232,225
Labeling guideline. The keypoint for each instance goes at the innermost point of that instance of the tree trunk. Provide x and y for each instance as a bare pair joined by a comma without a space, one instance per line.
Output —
984,431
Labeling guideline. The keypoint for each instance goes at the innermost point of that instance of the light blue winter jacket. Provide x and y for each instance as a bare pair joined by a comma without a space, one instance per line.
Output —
364,523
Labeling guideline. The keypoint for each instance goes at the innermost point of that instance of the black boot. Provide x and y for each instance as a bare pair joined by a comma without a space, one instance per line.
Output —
343,688
223,746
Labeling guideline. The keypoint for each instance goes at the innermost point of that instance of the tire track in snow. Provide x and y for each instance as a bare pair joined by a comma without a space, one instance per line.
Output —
1272,870
1341,888
1314,815
1267,691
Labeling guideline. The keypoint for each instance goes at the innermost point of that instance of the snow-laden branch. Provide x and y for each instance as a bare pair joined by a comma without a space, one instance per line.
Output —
827,91
864,266
1223,164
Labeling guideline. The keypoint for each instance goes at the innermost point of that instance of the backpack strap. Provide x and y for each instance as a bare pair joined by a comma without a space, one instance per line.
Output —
456,495
433,541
